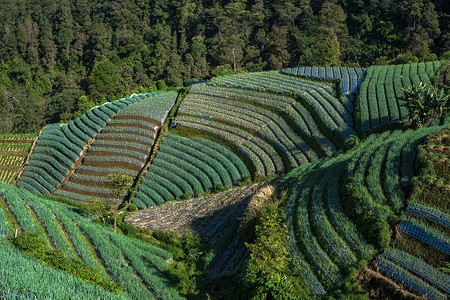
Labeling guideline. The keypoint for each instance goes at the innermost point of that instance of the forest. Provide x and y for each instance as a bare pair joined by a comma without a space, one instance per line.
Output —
59,58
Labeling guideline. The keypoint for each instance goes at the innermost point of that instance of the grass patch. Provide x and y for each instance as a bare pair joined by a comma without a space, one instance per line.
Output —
419,249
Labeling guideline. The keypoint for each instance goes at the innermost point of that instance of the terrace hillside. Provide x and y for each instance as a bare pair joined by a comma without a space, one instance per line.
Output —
316,176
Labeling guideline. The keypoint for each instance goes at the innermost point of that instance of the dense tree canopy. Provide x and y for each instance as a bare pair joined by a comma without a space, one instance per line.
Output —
54,52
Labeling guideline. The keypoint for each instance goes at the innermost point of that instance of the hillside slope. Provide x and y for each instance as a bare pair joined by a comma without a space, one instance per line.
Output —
139,267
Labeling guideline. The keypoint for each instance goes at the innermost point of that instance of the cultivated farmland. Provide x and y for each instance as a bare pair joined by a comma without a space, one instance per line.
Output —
197,157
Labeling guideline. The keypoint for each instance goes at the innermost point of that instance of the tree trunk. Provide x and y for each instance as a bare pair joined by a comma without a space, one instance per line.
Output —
115,222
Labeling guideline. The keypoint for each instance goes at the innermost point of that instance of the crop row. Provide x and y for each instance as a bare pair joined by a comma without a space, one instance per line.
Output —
78,196
135,264
122,151
47,168
6,175
110,144
189,166
380,92
155,108
276,101
244,140
350,76
343,223
230,133
186,166
195,158
114,158
314,130
17,208
325,233
430,213
308,241
21,277
275,129
10,160
87,188
419,267
59,146
14,147
130,121
270,159
42,187
43,178
408,279
129,129
222,156
106,170
235,118
128,137
272,80
426,234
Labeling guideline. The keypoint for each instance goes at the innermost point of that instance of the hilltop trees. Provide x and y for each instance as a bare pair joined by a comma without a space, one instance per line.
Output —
105,49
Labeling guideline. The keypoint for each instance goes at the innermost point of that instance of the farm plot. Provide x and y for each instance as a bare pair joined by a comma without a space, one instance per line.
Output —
139,267
351,78
268,124
261,154
123,146
14,150
319,98
244,101
274,132
184,167
325,237
60,146
209,217
380,92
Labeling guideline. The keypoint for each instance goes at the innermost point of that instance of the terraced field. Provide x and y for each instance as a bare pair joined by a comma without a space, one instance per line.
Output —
236,128
123,146
140,267
14,150
423,242
61,146
351,78
187,167
379,101
276,133
325,236
319,98
209,217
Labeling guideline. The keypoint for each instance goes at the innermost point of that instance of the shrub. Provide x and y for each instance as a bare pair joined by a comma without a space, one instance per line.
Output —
36,246
374,228
132,207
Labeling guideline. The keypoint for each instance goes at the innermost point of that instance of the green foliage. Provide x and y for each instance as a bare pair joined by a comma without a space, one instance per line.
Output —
374,228
270,274
105,82
119,184
187,250
425,103
132,208
269,250
83,105
223,70
36,246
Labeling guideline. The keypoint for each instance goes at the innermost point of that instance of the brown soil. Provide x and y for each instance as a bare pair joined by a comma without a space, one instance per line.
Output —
89,183
120,147
109,164
124,132
130,125
65,188
381,287
126,140
112,154
139,118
